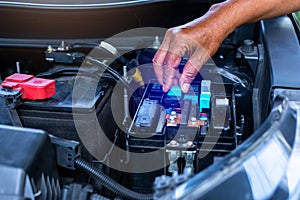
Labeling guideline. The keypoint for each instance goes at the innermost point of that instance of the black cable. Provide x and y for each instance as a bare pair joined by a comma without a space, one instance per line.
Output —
84,45
97,46
59,72
109,183
112,72
105,67
73,71
98,197
118,198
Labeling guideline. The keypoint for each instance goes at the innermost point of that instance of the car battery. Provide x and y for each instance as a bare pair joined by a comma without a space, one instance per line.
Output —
56,114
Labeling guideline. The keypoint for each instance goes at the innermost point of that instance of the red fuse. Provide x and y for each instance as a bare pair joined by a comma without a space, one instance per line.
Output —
30,87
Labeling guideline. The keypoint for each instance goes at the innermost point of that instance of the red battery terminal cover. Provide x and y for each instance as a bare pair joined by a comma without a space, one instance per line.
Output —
30,87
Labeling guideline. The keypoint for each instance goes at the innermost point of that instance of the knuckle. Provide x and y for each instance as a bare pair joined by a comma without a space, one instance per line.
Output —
170,32
175,32
189,77
190,71
172,61
215,7
155,60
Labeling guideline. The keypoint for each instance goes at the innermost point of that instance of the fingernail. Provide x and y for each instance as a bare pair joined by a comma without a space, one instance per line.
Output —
164,88
185,87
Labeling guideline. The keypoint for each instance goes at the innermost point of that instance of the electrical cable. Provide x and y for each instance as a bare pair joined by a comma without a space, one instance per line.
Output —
105,47
109,183
98,197
84,45
111,71
73,71
58,72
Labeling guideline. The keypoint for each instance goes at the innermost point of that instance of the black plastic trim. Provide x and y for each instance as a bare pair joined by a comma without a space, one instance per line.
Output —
283,50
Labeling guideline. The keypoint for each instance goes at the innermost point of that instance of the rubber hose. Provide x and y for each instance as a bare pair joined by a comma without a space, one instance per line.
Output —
118,198
98,197
109,183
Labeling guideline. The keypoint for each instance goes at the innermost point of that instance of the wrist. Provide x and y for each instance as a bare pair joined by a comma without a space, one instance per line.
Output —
223,16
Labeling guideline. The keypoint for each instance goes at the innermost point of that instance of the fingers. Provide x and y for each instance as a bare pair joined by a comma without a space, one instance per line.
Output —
168,78
158,60
192,68
168,57
171,62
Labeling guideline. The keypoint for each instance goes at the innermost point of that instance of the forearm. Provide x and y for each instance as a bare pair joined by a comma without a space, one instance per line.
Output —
233,13
202,37
223,18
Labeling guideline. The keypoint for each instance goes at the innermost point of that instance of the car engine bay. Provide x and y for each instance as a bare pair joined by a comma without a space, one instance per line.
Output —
87,119
176,122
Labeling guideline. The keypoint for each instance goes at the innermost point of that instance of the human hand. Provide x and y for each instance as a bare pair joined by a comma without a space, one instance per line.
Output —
198,40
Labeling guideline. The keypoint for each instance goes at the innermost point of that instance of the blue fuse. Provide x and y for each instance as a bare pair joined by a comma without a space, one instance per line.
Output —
193,98
168,111
173,98
175,91
204,101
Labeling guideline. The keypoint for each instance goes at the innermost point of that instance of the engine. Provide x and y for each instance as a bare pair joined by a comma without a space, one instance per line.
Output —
112,131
